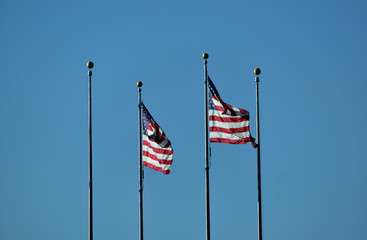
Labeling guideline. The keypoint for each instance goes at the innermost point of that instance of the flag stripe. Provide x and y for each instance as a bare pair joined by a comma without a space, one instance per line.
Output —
229,130
228,125
216,116
230,141
230,135
167,171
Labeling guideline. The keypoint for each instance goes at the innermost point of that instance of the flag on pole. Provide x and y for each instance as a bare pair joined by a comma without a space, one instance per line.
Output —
227,124
157,150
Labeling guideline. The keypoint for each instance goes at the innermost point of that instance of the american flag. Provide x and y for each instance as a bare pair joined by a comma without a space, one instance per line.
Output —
157,150
227,124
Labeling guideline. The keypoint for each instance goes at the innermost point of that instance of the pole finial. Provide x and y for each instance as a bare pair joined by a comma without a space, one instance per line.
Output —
257,71
90,65
205,55
139,84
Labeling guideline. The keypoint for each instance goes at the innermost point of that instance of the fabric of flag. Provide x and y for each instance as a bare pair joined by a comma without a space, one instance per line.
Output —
227,124
157,150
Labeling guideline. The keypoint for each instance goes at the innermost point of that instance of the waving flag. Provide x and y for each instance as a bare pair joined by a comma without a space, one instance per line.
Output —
227,124
157,150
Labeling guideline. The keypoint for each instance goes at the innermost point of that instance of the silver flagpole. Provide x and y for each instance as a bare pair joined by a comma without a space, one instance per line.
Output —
90,66
139,84
207,209
257,72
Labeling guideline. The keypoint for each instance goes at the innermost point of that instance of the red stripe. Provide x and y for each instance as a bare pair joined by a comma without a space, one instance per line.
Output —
158,150
219,108
228,119
154,158
230,130
231,141
156,168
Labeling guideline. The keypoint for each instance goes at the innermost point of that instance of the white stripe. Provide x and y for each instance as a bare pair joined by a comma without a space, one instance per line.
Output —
157,164
232,136
228,125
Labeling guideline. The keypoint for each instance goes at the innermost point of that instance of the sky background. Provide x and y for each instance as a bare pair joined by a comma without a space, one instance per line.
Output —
312,113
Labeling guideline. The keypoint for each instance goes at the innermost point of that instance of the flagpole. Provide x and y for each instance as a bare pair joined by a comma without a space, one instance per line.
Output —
140,84
207,205
90,66
257,72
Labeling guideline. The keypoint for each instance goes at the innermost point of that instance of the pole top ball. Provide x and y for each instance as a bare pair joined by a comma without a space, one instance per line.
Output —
205,55
139,84
90,65
257,71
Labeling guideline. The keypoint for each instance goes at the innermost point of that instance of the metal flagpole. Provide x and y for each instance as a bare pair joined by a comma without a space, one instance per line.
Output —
207,209
257,72
139,84
90,66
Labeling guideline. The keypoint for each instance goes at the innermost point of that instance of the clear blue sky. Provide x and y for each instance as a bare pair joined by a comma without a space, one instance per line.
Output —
313,117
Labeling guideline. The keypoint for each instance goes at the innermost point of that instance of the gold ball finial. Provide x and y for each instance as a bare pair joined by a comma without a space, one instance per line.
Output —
205,55
139,84
90,65
257,71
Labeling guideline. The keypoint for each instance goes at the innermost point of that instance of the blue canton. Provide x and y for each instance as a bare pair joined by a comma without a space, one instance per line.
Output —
145,118
212,92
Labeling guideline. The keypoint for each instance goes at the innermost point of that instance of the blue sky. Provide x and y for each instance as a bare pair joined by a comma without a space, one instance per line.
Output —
312,101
